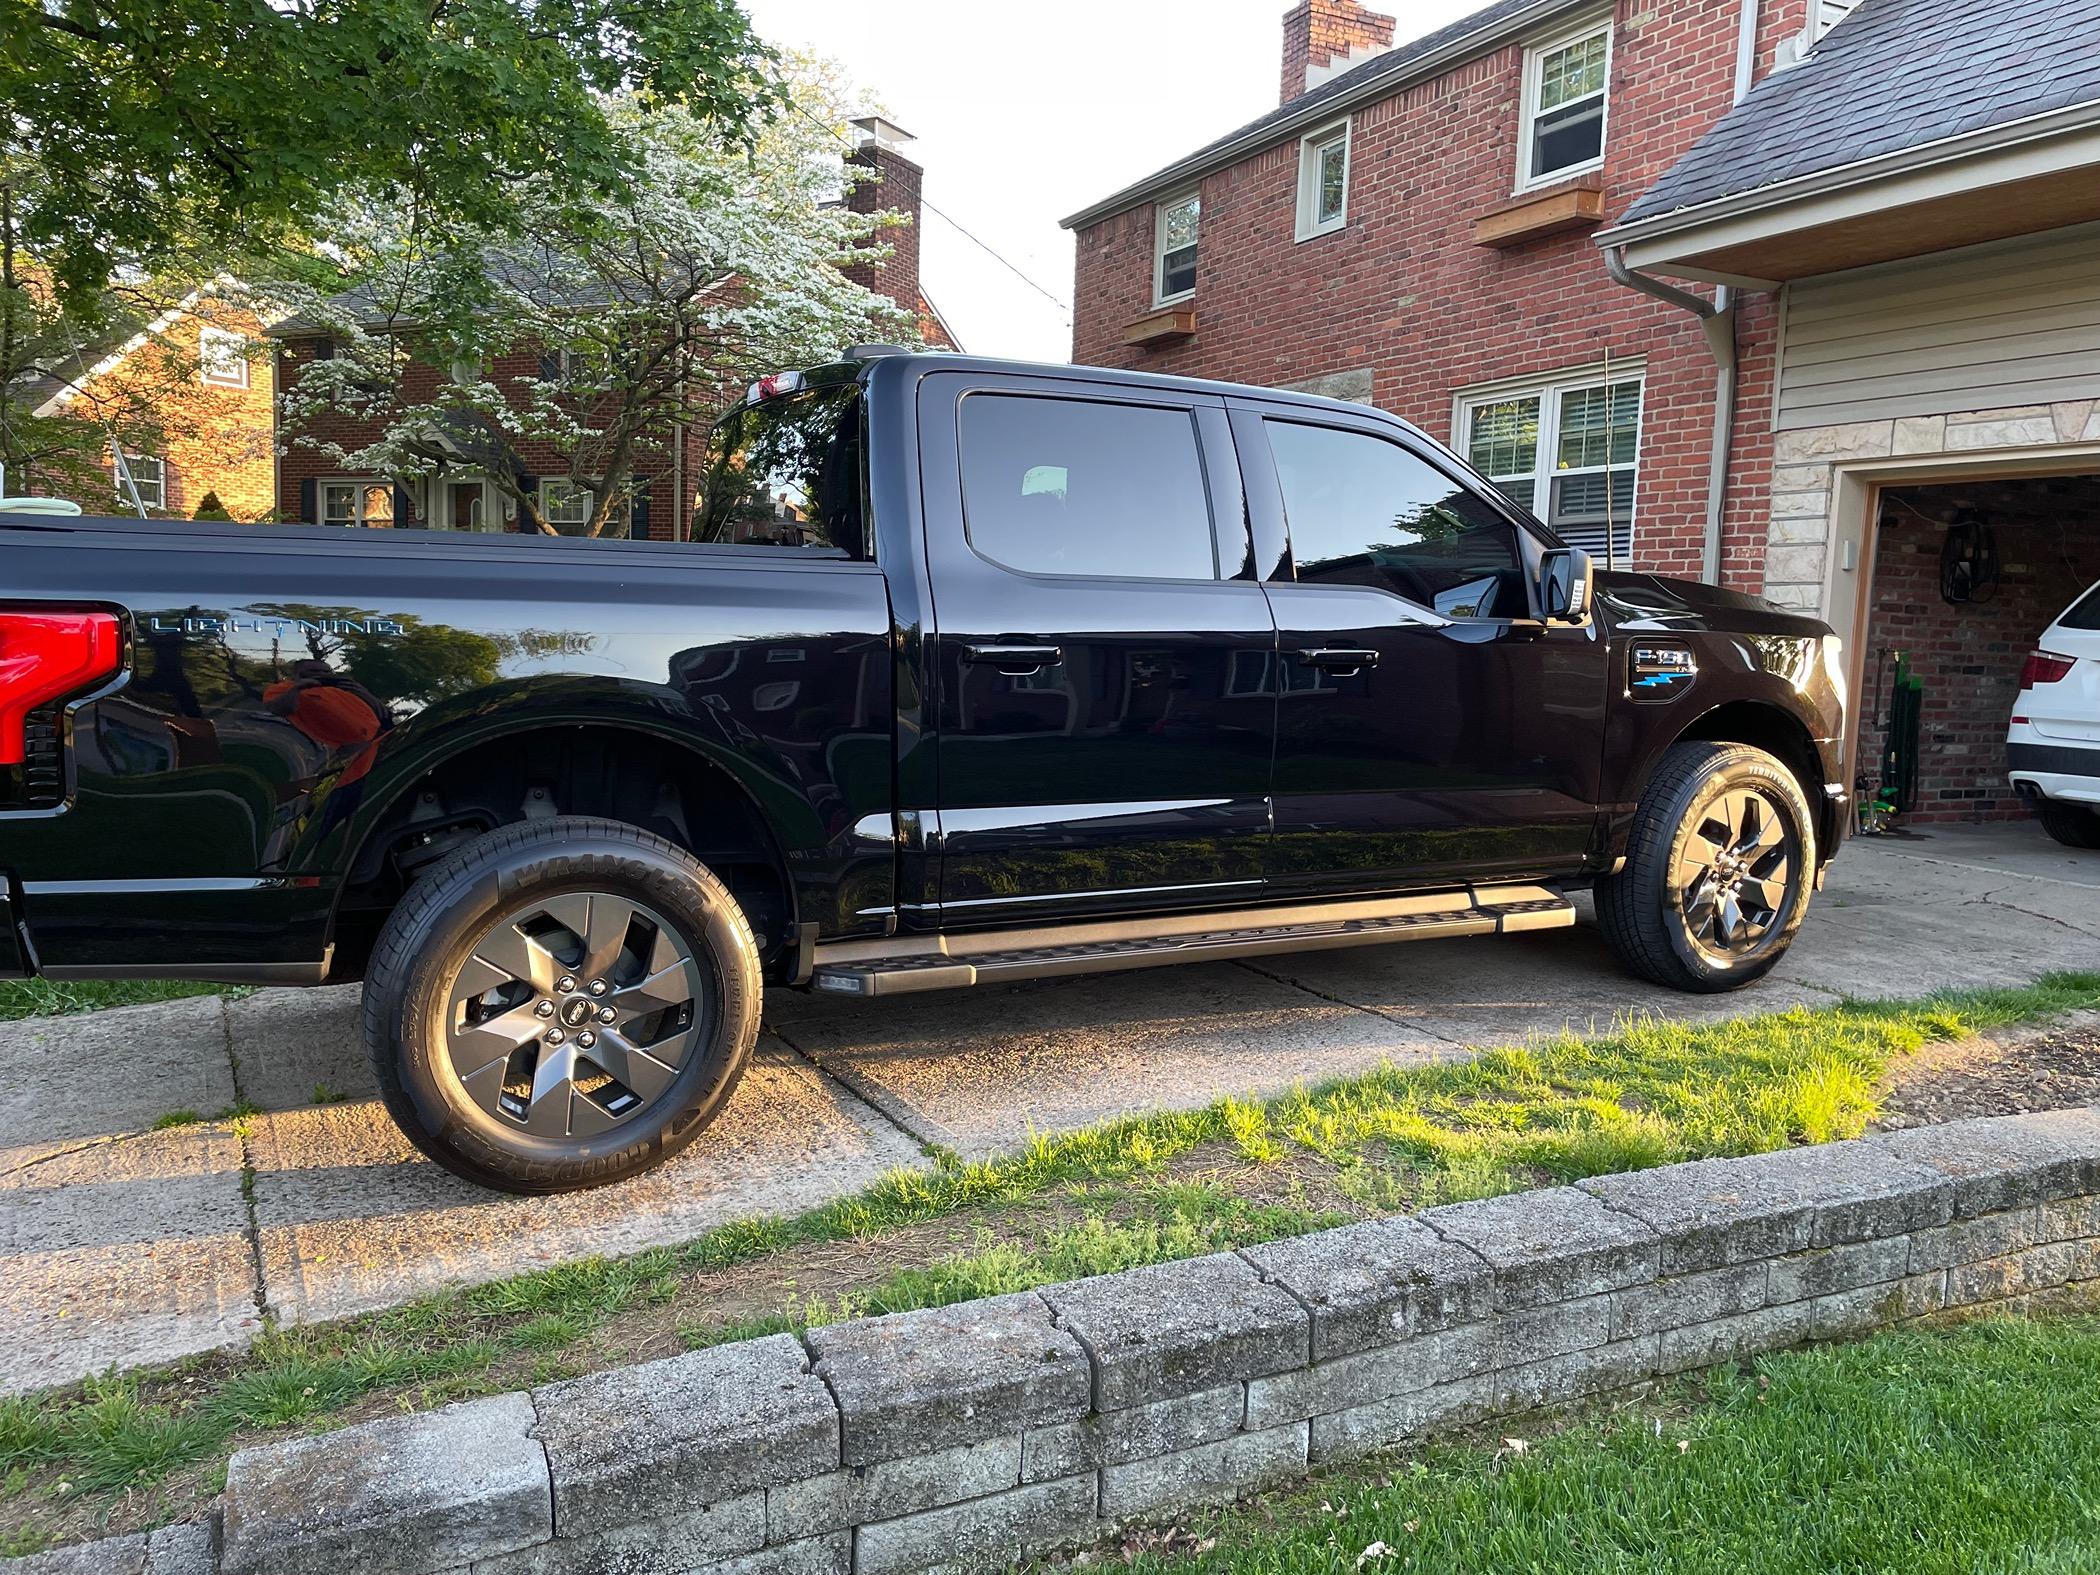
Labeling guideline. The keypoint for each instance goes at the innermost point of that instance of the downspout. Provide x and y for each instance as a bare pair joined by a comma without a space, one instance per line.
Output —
1717,318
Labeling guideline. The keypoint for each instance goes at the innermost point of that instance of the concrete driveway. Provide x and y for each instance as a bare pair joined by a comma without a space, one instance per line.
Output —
121,1244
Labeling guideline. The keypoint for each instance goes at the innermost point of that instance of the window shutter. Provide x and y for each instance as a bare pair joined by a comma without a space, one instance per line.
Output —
530,486
324,349
638,515
309,503
404,508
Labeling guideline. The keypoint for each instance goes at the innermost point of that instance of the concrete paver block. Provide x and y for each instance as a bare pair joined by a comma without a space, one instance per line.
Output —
1175,1328
635,1443
1552,1245
406,1495
1369,1284
918,1381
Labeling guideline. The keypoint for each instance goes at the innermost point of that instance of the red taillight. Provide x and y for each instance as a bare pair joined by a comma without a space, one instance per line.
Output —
2043,668
46,656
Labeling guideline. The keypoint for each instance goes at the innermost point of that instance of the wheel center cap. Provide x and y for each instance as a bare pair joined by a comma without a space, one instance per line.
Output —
575,1012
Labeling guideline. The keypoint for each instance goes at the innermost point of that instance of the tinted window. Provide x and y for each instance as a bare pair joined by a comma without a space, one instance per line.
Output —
1067,486
1363,511
786,472
2086,615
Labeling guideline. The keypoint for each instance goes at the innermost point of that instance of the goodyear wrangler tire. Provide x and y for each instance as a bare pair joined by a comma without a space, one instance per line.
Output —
1718,871
561,1004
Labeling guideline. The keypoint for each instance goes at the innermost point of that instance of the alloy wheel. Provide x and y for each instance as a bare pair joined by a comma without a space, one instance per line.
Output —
573,1014
1735,874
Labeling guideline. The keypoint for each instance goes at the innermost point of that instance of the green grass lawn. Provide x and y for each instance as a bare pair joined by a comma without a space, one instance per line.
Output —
57,997
1140,1190
1940,1452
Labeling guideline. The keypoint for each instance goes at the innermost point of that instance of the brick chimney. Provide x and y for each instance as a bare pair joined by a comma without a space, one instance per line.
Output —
895,185
1323,38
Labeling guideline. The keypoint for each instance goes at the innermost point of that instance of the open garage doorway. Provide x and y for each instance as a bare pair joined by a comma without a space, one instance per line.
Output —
1952,626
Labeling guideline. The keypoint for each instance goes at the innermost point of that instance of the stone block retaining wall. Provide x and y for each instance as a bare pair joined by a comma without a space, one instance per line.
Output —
970,1435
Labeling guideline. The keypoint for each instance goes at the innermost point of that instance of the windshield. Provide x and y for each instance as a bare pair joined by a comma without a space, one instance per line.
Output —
786,472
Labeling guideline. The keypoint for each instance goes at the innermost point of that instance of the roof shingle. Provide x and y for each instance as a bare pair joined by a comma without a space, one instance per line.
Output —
1895,74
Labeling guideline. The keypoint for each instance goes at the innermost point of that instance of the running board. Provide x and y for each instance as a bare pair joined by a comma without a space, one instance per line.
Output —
950,962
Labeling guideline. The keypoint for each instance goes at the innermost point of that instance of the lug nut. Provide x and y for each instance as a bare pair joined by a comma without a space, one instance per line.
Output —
606,1014
597,987
545,1008
565,984
555,1036
586,1039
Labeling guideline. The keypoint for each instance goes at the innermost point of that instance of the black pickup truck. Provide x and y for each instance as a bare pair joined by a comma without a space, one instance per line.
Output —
970,672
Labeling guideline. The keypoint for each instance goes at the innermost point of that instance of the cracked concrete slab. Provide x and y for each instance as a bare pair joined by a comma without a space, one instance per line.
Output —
144,1062
983,1069
122,1253
350,1218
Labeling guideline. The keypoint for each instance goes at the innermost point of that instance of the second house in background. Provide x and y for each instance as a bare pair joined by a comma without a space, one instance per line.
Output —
1412,227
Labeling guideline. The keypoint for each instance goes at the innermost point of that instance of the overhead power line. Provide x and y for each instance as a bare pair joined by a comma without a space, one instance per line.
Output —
985,246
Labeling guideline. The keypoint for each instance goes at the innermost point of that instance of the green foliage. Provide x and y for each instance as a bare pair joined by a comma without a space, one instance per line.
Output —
55,997
1911,1453
210,508
156,129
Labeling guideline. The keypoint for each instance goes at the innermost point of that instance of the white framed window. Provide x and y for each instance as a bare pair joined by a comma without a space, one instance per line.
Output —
1178,220
222,358
1323,181
1566,448
564,504
350,500
1566,95
149,474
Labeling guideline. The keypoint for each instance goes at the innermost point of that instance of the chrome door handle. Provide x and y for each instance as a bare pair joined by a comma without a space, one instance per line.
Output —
1336,660
1015,659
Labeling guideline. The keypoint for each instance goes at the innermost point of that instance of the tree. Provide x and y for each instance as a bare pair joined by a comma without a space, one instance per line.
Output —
210,508
712,263
162,131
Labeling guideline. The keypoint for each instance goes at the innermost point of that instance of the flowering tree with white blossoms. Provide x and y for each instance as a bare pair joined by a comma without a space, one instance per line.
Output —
646,313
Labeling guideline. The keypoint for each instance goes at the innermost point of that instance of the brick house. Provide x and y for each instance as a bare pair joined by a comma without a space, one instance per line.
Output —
1413,227
194,375
310,489
1620,255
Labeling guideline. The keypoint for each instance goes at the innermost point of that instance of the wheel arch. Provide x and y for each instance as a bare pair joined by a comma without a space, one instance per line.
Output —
450,785
1780,733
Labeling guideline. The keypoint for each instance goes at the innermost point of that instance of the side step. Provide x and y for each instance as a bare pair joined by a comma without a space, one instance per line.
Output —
949,962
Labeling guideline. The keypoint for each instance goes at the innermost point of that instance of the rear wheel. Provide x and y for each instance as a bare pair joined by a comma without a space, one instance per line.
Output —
561,1004
1717,873
2071,824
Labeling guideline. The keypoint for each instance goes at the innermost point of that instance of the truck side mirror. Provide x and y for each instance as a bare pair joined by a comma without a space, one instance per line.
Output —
1564,585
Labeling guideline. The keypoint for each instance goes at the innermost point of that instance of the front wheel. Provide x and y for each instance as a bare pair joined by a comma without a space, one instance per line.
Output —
560,1004
1718,870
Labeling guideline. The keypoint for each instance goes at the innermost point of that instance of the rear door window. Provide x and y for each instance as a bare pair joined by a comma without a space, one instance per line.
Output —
2086,614
1085,487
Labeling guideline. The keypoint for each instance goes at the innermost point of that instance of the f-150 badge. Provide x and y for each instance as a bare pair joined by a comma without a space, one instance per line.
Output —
1661,672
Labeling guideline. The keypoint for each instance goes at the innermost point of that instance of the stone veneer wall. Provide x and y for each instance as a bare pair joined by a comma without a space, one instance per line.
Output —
1804,462
971,1435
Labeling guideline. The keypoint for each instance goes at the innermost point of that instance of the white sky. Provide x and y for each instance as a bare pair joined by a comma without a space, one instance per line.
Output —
1026,111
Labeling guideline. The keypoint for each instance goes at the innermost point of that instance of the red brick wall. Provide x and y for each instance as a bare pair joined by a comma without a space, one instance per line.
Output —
1320,32
1404,290
1969,655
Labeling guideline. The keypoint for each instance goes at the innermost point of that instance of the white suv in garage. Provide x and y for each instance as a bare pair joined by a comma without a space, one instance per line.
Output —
2053,745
